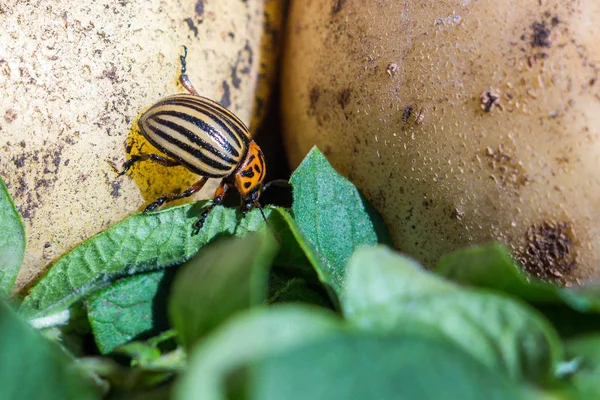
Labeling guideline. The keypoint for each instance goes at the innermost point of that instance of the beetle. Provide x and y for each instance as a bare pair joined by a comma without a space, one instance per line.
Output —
206,138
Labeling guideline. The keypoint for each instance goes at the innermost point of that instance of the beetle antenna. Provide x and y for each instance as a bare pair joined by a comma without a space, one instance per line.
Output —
269,225
278,183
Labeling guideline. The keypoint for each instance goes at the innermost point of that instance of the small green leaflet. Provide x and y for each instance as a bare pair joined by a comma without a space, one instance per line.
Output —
225,277
127,309
12,242
491,266
333,216
285,289
246,337
140,243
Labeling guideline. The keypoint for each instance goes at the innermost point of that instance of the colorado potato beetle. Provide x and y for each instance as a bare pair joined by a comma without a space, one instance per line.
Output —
206,138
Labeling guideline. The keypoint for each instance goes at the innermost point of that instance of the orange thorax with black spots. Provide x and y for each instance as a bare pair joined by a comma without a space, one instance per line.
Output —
251,172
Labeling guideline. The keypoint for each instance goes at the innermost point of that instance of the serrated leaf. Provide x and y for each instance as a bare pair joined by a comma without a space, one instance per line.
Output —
140,243
12,242
35,368
225,277
249,336
386,292
333,216
129,308
491,266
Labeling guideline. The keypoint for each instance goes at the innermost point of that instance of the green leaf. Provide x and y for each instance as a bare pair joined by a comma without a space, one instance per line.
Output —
149,366
129,308
359,366
225,277
141,353
12,242
35,368
140,243
247,337
584,353
296,253
294,352
333,216
387,292
284,288
491,266
123,381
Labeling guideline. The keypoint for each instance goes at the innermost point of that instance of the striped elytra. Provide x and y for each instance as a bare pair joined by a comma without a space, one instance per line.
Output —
199,133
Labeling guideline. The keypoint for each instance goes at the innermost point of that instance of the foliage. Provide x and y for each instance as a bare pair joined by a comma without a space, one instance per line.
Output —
310,302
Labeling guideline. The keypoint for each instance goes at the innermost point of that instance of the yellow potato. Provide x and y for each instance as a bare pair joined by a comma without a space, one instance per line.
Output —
76,76
462,121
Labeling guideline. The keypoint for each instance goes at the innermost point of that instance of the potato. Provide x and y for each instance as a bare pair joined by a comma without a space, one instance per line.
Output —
76,76
462,121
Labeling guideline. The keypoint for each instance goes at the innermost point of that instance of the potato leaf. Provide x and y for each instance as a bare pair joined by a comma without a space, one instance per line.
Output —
296,352
361,365
247,337
127,309
491,266
140,243
333,216
388,292
284,288
35,368
297,255
12,242
224,278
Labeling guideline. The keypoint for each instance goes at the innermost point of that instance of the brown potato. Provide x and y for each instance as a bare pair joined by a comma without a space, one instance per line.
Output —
75,78
462,121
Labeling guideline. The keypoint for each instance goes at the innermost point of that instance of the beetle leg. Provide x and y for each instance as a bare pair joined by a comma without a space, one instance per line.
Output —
142,157
217,200
176,196
183,78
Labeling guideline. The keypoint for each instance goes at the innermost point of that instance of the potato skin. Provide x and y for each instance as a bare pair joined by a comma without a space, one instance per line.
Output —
76,76
462,121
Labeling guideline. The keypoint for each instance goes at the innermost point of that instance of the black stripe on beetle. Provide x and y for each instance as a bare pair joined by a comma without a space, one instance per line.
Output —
227,122
222,123
188,149
220,110
192,137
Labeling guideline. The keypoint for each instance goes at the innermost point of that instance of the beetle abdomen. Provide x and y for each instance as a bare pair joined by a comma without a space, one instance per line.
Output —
198,132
